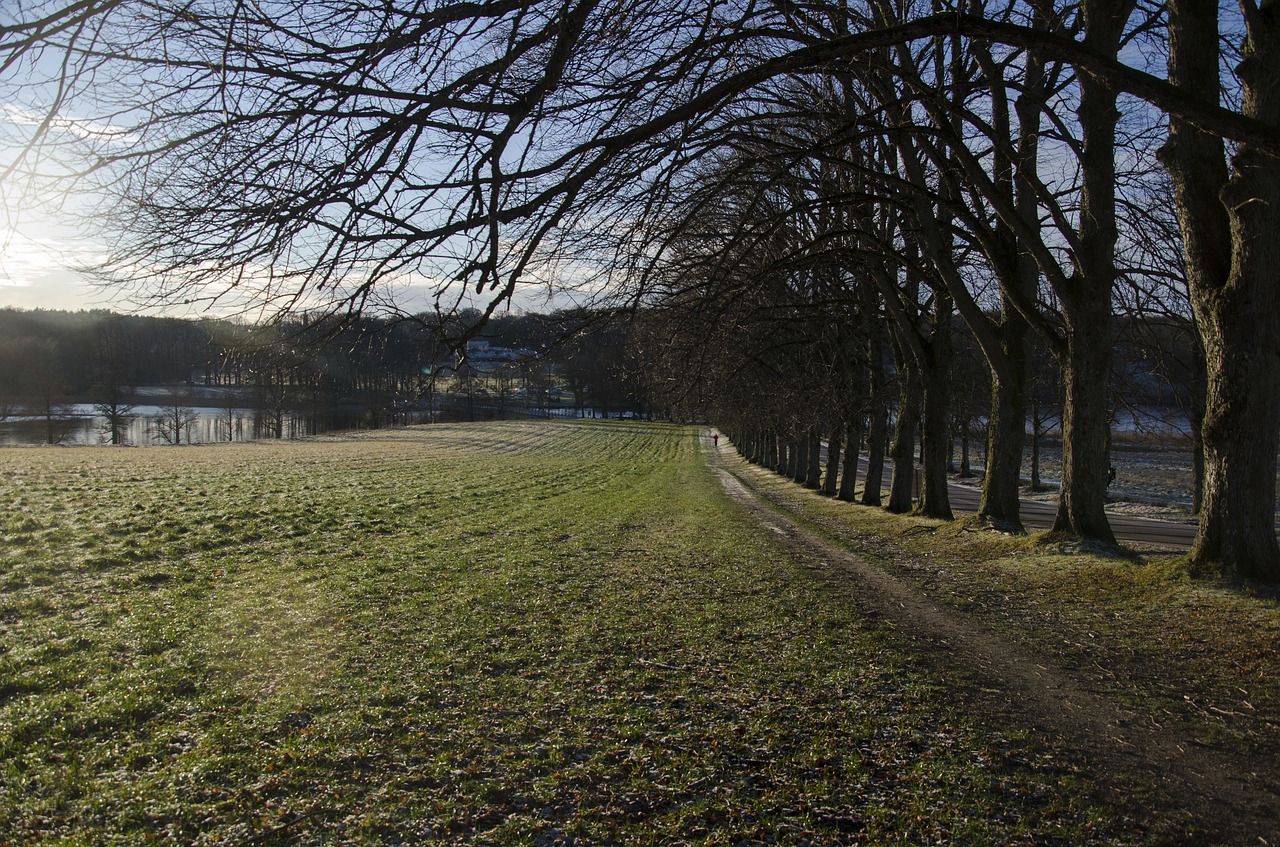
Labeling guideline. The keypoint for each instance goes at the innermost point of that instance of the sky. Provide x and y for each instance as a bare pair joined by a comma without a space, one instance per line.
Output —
37,261
37,253
38,270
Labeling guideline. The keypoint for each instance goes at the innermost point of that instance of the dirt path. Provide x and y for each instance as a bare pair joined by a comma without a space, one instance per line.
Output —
1229,795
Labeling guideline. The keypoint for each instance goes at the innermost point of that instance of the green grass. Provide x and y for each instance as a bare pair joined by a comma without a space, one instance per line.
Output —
518,633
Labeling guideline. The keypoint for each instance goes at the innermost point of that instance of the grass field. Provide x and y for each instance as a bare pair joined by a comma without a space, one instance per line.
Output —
517,633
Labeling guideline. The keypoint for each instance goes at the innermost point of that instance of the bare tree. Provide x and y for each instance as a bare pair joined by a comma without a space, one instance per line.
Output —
113,393
45,386
1229,215
174,423
117,414
228,413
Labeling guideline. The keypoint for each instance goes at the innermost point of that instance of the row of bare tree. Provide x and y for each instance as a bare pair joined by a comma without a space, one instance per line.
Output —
852,214
835,245
885,163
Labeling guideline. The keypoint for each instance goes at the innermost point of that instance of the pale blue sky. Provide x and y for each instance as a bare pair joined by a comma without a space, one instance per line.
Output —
36,263
37,271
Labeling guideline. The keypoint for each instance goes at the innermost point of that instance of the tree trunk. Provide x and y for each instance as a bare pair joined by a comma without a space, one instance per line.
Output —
1086,300
1240,324
1082,498
849,476
813,471
902,452
801,469
1019,274
1198,389
1229,227
935,434
830,479
878,435
1237,517
1006,433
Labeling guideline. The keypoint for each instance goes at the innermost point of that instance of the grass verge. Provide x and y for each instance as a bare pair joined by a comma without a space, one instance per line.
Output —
1199,655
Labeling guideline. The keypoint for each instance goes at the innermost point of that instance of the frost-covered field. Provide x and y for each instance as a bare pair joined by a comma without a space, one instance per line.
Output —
1146,475
1152,478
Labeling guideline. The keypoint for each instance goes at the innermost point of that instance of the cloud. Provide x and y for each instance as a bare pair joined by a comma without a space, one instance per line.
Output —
78,127
25,261
37,270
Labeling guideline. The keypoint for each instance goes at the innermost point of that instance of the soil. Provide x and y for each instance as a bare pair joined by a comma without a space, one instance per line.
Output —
1221,797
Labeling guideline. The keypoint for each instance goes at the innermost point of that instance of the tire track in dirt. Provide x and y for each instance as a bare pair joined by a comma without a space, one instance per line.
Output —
1230,796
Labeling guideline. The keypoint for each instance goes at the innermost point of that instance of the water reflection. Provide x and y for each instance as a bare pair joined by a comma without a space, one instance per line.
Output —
82,425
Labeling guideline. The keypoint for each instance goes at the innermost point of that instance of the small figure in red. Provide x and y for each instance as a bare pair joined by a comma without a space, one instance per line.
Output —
715,440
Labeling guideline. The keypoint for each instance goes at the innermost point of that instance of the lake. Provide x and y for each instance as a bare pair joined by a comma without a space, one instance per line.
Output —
83,426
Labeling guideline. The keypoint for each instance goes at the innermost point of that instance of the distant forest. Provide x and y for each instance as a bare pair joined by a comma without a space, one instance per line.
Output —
361,373
369,372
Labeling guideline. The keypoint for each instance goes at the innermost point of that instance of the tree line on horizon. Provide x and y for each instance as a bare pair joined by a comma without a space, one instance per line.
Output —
362,373
609,362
